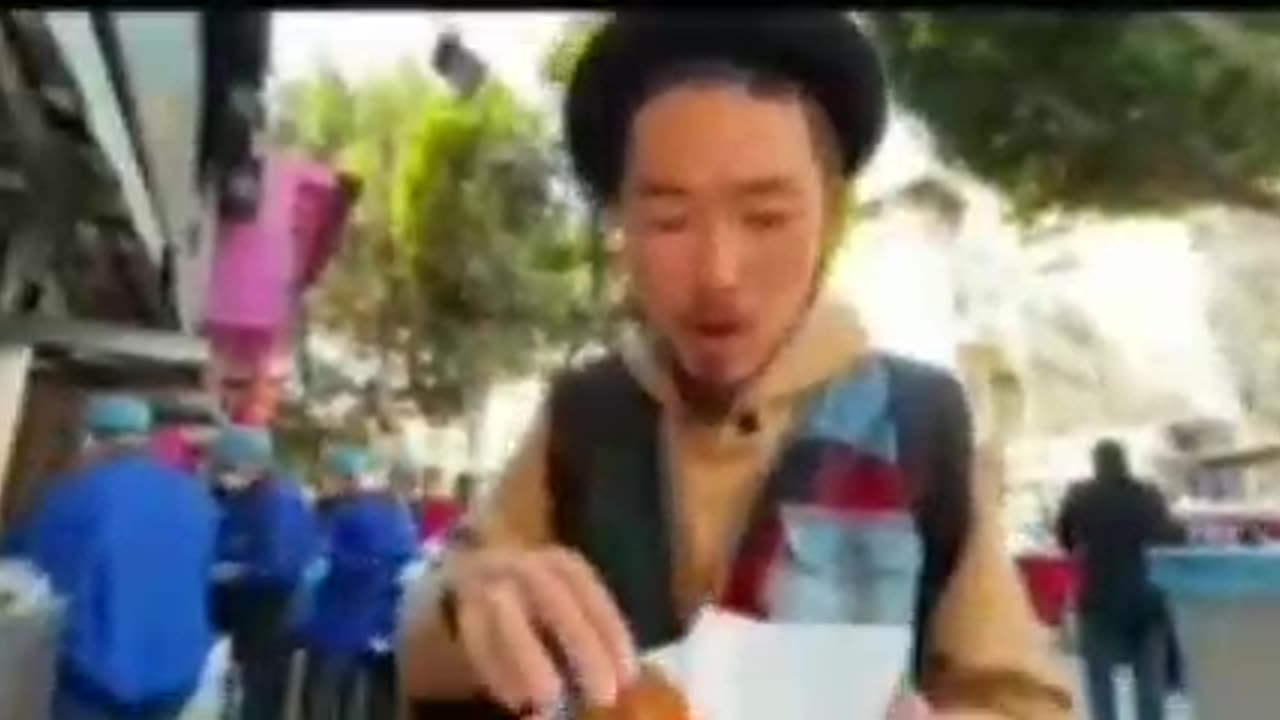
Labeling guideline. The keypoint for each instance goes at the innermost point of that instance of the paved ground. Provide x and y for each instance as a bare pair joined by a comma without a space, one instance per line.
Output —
1178,709
205,705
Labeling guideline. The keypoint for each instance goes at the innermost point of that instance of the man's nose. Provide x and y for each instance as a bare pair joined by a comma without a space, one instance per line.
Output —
721,261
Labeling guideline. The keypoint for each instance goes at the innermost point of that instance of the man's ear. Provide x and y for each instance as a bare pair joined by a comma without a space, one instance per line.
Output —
843,208
841,213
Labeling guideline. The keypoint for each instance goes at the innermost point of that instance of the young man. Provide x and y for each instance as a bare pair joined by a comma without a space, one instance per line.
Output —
369,539
267,539
407,481
129,542
722,145
1110,522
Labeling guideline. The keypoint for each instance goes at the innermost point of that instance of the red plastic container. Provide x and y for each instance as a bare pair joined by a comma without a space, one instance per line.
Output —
1053,580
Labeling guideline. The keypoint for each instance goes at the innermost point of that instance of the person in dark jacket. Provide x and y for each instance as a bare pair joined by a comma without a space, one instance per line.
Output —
369,539
1109,522
267,540
128,542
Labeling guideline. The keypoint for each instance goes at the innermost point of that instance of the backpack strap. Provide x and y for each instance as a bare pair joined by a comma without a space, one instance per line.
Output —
935,450
589,405
608,491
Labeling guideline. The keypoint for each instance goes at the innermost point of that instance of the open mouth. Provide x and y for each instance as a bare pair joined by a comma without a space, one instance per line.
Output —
718,330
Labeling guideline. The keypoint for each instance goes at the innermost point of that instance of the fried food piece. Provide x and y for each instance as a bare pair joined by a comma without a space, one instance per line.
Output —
650,697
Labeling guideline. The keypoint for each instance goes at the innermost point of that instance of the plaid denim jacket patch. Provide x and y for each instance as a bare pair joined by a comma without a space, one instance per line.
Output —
834,539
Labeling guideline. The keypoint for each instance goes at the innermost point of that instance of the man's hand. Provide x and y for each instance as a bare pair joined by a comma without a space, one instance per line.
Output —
513,604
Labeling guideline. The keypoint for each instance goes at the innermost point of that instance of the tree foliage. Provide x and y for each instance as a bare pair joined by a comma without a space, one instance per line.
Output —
557,66
608,290
464,261
1108,112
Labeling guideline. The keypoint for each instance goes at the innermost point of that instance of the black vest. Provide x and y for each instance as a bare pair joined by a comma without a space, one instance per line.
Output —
605,475
605,471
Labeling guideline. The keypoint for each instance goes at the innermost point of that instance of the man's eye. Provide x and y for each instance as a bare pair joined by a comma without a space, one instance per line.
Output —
765,220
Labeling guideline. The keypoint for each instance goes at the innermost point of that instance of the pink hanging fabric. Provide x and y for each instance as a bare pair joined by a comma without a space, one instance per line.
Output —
261,268
253,266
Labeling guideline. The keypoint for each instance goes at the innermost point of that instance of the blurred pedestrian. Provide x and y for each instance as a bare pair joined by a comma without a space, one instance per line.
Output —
465,490
1109,522
406,480
267,540
369,540
440,510
129,542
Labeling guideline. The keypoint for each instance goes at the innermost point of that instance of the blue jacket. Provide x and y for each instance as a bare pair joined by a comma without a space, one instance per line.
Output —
129,542
269,529
369,538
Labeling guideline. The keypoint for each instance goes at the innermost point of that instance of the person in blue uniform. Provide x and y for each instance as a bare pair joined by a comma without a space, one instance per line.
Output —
369,540
266,541
407,480
128,542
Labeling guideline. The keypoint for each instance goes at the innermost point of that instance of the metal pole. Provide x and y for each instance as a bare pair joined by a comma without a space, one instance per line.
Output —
15,361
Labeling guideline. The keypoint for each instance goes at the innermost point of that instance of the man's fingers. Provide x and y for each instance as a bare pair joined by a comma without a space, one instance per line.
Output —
601,610
504,650
483,653
526,597
562,615
527,663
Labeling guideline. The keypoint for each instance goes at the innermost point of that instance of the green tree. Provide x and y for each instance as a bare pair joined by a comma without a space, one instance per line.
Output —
358,129
1116,113
489,242
557,66
608,308
1107,112
464,262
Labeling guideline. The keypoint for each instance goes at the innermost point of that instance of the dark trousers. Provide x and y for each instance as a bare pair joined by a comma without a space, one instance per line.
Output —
1108,645
354,688
264,682
1177,676
70,705
262,646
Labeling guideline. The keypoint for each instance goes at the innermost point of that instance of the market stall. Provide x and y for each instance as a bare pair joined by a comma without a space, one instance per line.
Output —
1253,516
1226,610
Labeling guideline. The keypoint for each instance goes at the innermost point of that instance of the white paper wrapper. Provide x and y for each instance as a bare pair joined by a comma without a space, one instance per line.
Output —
734,668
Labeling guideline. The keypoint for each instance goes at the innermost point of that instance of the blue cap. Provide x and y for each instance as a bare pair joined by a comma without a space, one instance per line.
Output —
115,415
349,461
243,447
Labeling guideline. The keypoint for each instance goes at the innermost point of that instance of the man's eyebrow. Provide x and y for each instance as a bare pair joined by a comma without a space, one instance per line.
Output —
768,185
658,189
772,185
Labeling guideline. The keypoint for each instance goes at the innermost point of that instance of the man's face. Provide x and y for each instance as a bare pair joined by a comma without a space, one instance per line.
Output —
722,214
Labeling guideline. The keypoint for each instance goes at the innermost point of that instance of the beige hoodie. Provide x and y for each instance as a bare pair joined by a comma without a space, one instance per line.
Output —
991,654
